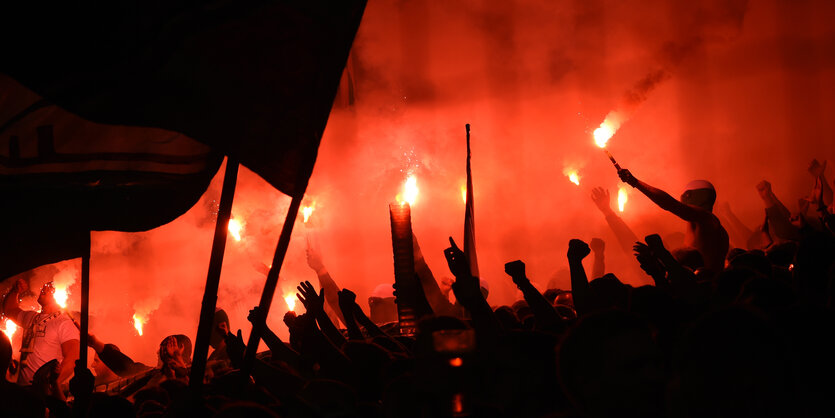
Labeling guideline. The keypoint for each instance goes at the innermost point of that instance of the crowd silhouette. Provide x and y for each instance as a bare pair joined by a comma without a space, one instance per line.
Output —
736,324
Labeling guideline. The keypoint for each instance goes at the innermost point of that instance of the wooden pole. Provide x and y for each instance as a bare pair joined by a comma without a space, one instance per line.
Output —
272,282
207,309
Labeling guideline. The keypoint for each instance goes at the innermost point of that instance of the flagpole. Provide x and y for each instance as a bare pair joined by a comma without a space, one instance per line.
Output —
272,282
207,309
85,304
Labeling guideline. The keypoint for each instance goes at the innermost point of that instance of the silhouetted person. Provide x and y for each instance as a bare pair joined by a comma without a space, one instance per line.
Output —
704,232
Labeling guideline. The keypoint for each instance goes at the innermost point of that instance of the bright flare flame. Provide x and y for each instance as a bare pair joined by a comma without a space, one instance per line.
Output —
464,193
290,300
410,191
622,198
602,134
61,297
137,323
235,228
10,328
307,211
573,175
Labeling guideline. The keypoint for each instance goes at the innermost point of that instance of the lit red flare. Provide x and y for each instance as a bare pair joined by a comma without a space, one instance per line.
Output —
290,300
307,211
235,228
9,328
622,198
61,295
464,193
573,175
410,191
607,129
138,323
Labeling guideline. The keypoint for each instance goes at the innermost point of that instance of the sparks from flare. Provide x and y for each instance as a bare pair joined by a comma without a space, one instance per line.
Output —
307,211
622,198
137,323
410,191
290,300
235,228
10,328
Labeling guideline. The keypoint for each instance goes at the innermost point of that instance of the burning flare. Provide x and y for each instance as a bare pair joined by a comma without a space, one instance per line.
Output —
622,198
61,295
290,300
410,191
235,227
464,193
307,211
607,129
137,323
573,175
10,328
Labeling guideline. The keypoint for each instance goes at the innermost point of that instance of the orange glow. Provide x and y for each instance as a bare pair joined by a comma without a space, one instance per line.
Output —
464,193
307,211
61,295
410,191
235,228
457,403
290,300
573,175
137,323
10,328
622,198
456,362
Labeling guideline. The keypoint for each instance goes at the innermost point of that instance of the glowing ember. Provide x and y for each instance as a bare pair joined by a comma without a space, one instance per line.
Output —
61,295
10,328
235,228
573,175
307,211
456,362
464,193
622,198
410,191
137,323
290,300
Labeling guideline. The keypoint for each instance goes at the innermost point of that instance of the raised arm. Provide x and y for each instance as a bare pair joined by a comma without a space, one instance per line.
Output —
544,313
314,304
664,200
577,251
326,282
624,234
468,292
347,300
777,214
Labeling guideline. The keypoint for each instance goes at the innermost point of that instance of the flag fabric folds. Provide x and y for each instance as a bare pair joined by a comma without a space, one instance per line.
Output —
116,93
62,176
255,79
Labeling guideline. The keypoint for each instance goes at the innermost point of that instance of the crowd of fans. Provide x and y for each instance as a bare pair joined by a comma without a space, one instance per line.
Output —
744,335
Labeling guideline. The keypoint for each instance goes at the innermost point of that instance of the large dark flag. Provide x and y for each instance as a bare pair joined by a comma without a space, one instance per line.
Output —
250,79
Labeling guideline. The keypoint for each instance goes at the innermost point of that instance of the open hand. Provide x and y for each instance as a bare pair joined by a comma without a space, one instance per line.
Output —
313,303
601,199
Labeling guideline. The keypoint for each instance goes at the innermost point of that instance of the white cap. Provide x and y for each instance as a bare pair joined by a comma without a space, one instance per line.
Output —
699,184
384,290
